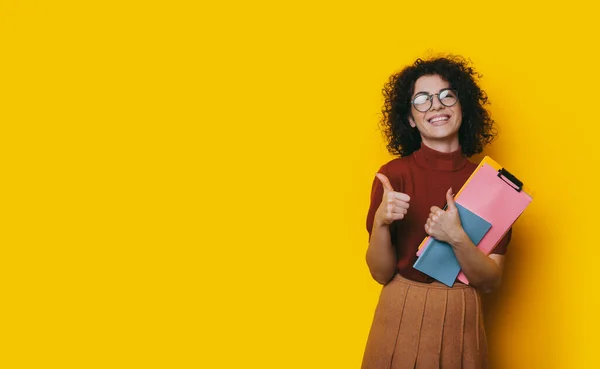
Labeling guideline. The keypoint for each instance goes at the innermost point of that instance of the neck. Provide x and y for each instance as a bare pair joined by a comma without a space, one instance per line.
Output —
439,157
447,145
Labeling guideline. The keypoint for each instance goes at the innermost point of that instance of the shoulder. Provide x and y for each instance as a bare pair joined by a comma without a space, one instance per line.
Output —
397,167
470,166
397,171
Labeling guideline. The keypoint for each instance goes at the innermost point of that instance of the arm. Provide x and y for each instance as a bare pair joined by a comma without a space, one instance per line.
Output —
381,255
484,272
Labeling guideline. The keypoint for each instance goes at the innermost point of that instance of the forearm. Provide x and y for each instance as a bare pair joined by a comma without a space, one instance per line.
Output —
381,256
481,271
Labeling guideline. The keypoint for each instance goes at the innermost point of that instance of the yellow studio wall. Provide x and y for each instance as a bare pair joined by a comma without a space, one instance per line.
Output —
185,184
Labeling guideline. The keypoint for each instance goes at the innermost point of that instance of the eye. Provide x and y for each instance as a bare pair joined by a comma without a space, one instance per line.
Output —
447,94
420,99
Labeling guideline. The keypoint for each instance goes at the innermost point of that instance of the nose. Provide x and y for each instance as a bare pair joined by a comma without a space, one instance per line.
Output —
436,104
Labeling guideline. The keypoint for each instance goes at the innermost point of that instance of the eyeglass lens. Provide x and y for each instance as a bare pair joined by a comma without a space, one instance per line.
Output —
423,102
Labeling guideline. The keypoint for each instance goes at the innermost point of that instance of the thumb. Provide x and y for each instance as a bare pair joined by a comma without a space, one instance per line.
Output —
385,181
450,199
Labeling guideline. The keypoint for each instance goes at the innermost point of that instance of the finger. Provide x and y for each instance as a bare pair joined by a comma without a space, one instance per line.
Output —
435,210
430,223
384,181
432,218
402,196
450,199
401,204
390,198
389,210
393,209
398,216
399,211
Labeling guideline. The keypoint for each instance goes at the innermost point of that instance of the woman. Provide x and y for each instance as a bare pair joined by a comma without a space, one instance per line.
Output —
434,118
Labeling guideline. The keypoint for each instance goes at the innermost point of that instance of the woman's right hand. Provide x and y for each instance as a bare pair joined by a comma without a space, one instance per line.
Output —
394,205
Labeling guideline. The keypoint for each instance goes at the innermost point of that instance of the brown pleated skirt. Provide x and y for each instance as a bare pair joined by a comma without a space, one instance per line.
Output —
426,325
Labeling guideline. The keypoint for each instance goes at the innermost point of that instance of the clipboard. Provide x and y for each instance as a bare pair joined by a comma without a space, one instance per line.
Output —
494,194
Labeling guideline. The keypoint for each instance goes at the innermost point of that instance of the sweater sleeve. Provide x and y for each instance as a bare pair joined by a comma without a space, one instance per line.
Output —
376,196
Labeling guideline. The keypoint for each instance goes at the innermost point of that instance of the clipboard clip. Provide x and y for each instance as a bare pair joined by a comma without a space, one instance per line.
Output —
510,179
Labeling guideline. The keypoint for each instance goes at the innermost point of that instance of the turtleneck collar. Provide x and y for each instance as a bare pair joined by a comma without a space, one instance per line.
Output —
429,158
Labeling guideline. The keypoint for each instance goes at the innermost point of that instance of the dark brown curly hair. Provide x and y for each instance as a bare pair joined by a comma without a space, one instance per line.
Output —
477,128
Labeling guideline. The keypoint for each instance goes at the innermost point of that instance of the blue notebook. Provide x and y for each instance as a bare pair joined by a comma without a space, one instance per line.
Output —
438,260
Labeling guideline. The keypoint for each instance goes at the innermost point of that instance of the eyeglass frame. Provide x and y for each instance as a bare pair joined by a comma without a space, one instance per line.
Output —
430,98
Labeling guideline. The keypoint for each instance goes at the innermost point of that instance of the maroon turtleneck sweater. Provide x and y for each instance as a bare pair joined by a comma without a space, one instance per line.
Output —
425,176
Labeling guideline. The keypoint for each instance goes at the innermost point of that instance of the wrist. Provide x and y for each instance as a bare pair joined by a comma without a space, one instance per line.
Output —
460,239
380,224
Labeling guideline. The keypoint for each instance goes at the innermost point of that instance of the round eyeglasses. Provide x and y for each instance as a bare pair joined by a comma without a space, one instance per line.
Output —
423,101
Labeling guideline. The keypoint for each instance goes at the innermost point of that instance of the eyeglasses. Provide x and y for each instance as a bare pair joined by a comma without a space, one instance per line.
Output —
423,101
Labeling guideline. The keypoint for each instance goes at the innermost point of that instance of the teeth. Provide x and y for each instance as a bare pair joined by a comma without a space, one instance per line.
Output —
437,119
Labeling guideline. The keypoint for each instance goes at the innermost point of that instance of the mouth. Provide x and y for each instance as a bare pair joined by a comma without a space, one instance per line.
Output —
439,119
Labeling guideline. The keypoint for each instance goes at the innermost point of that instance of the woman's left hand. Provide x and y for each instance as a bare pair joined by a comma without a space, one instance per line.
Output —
445,225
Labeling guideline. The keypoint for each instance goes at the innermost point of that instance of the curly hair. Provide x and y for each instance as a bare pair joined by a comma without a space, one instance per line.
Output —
477,128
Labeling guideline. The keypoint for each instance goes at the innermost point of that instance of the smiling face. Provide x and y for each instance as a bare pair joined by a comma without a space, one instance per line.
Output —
439,125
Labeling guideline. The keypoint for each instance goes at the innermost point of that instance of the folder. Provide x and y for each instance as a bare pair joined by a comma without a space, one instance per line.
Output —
438,260
495,195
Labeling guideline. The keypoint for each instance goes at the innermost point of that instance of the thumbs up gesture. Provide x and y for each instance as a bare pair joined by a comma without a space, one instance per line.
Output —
445,225
394,205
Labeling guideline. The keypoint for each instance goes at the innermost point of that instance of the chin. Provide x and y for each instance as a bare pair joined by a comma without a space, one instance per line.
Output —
441,131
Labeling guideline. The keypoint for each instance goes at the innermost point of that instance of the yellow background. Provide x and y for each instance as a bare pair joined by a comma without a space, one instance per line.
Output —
184,184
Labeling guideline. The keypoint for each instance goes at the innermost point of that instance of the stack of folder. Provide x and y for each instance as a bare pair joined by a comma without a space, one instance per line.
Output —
488,204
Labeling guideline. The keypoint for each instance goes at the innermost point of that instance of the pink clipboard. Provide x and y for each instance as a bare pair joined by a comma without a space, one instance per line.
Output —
495,195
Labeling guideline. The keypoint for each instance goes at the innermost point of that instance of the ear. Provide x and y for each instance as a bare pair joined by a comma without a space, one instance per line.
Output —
411,121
